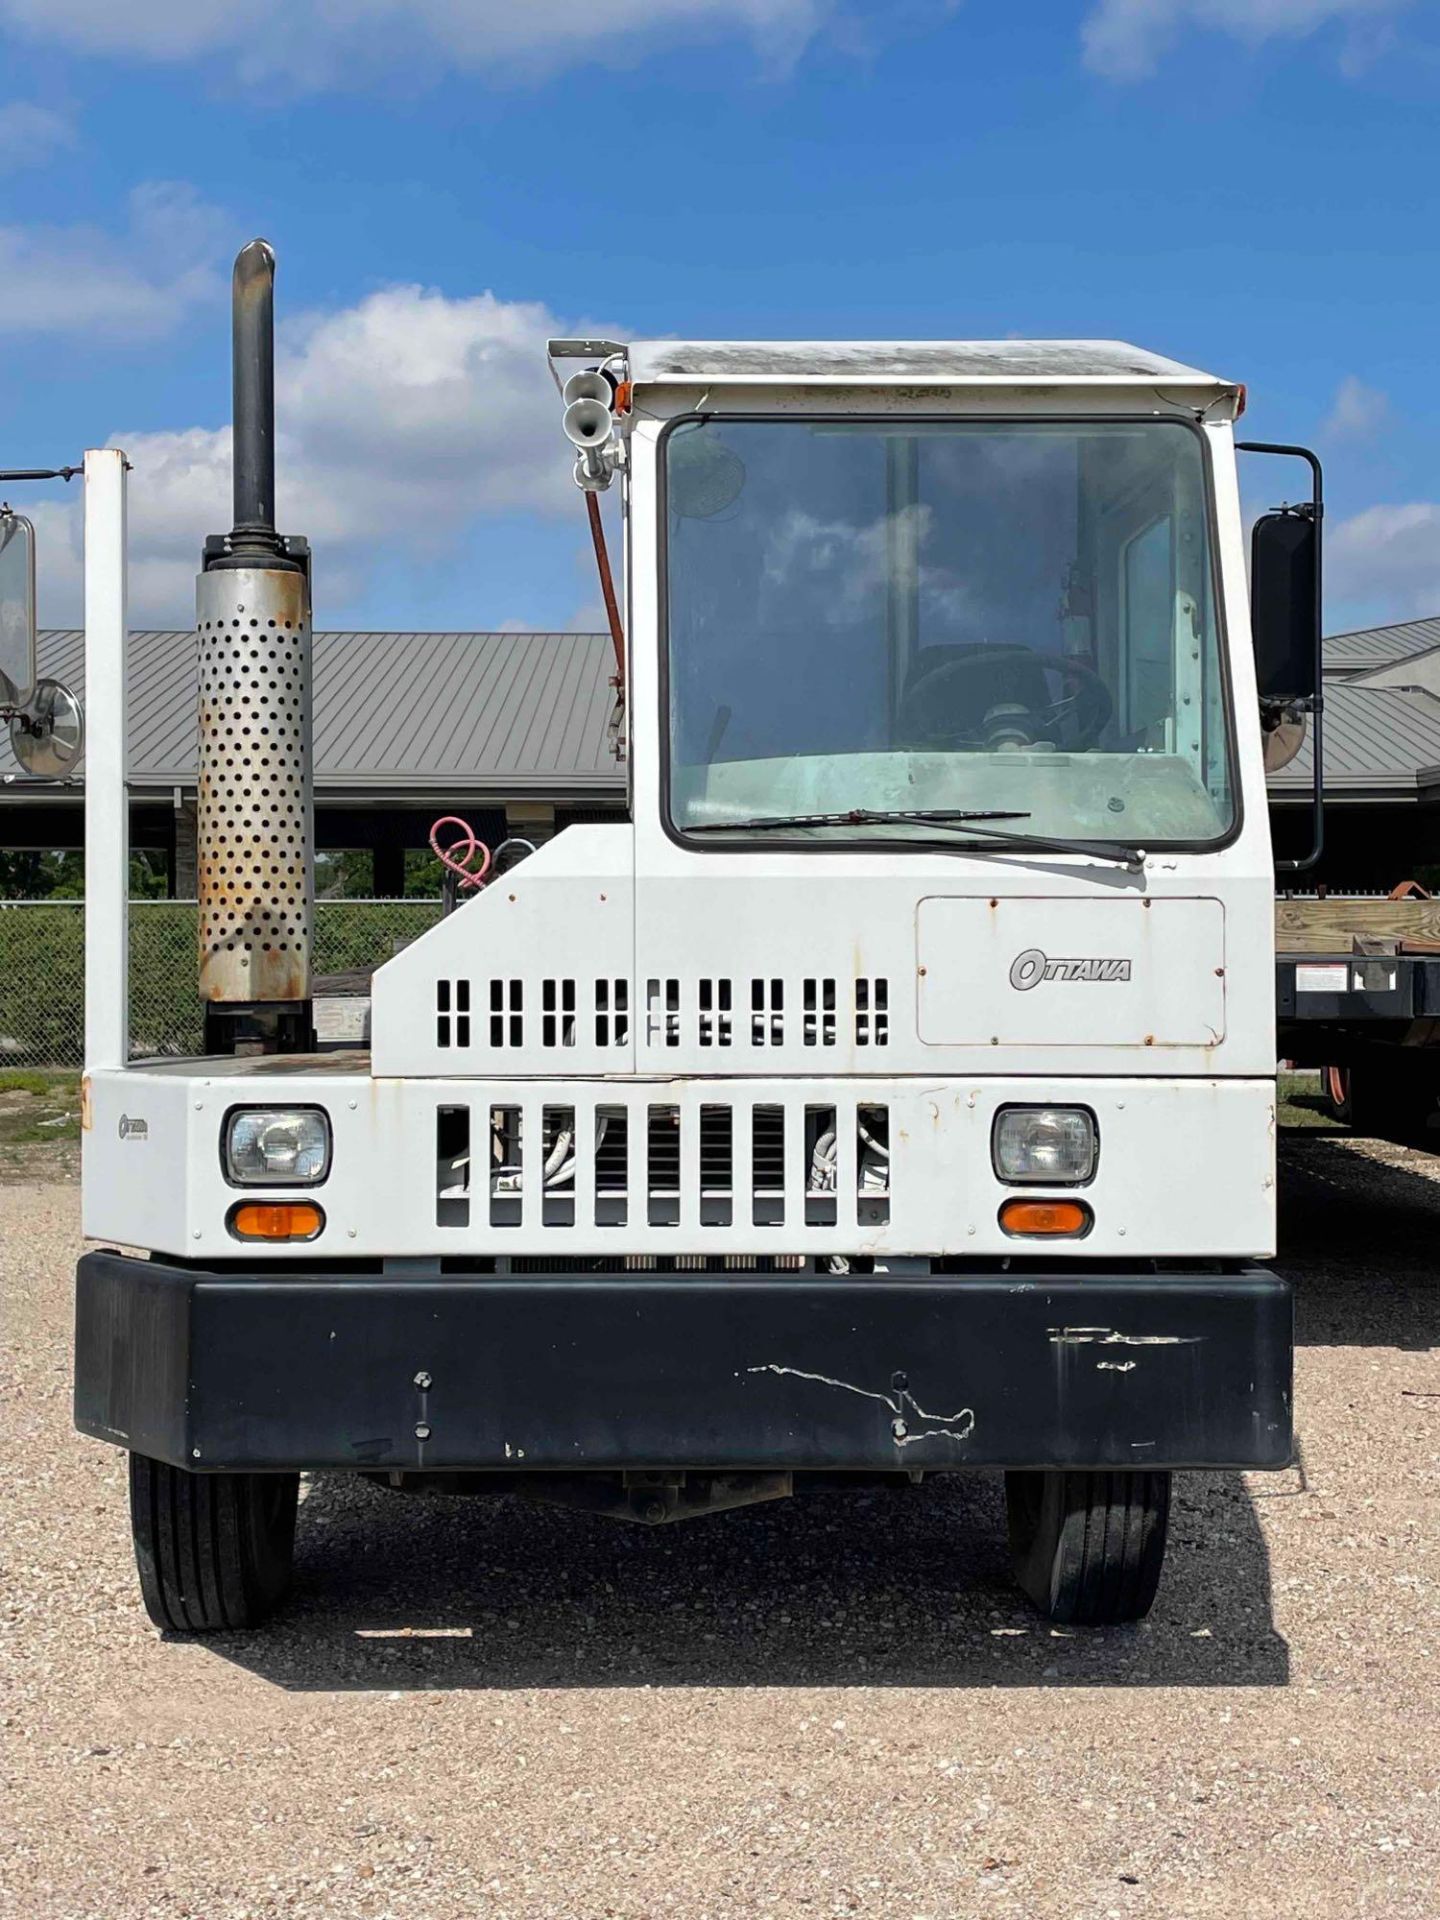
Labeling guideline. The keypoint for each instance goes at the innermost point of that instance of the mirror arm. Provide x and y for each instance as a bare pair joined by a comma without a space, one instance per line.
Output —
1314,509
40,473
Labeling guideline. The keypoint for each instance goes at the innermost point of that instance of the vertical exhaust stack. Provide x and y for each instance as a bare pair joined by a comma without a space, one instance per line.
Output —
255,803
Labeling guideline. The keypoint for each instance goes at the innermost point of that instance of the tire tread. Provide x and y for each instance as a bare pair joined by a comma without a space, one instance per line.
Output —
1088,1544
213,1551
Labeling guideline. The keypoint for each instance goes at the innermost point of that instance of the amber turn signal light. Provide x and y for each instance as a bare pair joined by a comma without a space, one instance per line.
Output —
276,1220
1051,1218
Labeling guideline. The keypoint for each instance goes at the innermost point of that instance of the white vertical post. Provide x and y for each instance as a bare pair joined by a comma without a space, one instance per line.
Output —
107,799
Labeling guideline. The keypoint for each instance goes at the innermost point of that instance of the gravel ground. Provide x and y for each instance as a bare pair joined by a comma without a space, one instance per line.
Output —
833,1705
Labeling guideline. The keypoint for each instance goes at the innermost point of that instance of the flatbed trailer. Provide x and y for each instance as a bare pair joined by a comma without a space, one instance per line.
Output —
1357,995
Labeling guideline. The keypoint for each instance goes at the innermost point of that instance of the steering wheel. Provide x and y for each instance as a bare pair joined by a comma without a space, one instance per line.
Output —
1090,704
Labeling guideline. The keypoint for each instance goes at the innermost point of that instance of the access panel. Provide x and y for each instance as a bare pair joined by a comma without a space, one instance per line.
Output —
1036,972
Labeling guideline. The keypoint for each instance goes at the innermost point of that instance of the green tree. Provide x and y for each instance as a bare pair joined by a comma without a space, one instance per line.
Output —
26,874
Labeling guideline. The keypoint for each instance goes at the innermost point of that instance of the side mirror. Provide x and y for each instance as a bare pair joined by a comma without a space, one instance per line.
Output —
17,608
1285,625
1285,605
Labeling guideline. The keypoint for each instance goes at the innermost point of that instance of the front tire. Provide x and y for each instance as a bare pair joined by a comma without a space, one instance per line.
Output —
214,1550
1087,1547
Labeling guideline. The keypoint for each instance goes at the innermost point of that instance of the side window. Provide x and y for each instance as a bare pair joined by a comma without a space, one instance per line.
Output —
1148,622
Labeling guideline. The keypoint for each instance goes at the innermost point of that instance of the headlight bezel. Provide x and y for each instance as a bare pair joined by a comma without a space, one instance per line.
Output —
1007,1174
247,1182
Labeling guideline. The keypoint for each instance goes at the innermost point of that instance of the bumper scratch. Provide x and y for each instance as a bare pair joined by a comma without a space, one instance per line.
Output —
1108,1337
952,1426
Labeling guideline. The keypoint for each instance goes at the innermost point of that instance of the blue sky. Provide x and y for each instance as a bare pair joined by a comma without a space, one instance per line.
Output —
1249,185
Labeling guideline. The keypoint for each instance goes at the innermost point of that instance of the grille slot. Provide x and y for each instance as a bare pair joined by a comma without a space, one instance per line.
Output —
662,1013
717,1166
714,1018
558,1145
872,1012
612,1166
507,1013
872,1165
507,1167
612,1013
818,1026
767,1013
452,1013
767,1166
452,1166
663,1163
821,1163
557,1013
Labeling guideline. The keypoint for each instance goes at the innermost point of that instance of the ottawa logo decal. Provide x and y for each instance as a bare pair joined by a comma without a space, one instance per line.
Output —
132,1127
1032,966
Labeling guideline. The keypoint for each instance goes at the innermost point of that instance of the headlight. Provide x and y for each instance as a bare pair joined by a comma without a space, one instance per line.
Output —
277,1147
1044,1146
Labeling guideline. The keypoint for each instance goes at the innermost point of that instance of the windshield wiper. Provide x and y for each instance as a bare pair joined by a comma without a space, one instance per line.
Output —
851,817
947,817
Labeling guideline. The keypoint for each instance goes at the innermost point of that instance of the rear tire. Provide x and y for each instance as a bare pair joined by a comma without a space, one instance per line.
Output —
1396,1100
1087,1547
1335,1093
214,1550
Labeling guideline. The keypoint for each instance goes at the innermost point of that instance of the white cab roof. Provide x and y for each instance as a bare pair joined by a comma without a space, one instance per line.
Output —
883,362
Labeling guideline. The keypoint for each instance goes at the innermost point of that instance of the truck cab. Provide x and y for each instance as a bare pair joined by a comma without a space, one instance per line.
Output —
891,1094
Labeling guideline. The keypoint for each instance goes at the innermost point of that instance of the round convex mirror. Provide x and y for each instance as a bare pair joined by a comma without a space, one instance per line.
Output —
703,476
17,607
47,735
1282,742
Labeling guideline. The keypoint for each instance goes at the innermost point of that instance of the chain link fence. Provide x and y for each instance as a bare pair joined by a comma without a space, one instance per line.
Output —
42,970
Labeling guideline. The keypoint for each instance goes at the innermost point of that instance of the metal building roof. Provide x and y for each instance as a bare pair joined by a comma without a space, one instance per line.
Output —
1380,741
514,713
475,712
1420,670
1377,646
995,362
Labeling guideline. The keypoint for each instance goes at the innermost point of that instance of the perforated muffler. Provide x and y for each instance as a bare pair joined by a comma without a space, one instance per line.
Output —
255,799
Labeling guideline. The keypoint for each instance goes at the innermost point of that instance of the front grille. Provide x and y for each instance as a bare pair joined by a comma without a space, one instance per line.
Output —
632,1161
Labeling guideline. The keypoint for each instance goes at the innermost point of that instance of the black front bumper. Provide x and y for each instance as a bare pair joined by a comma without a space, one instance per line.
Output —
529,1373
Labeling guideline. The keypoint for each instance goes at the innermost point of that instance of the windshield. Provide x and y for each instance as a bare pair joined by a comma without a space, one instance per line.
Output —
894,617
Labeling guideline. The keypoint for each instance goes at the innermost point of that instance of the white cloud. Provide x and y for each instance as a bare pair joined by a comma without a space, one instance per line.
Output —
1386,561
304,44
1357,412
1125,39
846,564
400,421
139,285
31,135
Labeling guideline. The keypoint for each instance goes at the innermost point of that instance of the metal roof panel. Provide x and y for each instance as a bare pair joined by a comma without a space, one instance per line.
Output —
393,709
877,362
1379,738
1378,646
418,710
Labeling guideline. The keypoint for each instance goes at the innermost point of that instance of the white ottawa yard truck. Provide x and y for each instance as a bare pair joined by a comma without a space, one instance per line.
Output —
891,1094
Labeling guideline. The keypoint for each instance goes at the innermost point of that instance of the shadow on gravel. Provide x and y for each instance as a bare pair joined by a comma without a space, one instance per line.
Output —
829,1589
1360,1238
